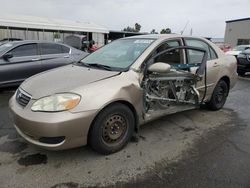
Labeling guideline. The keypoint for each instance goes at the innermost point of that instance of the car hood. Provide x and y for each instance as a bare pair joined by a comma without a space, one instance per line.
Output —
63,79
233,52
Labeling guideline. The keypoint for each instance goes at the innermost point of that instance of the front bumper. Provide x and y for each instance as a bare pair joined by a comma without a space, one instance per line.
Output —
243,65
33,126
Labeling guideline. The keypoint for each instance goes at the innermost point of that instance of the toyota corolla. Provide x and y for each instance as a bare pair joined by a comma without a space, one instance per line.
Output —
103,99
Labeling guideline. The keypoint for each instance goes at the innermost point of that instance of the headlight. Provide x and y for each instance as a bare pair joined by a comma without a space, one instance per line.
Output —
57,102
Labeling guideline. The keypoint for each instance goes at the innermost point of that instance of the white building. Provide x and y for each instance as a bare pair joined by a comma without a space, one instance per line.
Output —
37,28
237,32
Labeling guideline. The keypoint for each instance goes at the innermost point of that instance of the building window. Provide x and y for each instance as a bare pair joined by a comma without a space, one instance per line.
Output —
243,41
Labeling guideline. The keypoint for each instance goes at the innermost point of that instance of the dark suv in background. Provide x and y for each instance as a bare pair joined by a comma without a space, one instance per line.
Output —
22,59
243,62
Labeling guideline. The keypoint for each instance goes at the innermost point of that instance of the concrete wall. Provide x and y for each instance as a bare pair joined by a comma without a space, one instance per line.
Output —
99,39
237,30
46,35
26,35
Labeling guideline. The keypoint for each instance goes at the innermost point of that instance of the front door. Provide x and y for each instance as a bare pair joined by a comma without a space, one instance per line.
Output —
24,63
174,90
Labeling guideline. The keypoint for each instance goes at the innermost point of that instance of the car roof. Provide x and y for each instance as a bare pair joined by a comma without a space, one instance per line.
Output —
162,36
154,36
33,41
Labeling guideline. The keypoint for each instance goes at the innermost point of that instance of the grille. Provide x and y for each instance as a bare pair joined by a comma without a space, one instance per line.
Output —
22,98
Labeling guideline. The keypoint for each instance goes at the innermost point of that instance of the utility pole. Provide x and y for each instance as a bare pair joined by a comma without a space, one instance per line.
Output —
191,32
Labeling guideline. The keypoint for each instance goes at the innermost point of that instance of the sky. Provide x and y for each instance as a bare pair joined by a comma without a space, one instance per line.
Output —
205,17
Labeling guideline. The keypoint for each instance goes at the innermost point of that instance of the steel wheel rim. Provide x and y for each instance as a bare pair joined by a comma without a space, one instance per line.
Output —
220,94
114,129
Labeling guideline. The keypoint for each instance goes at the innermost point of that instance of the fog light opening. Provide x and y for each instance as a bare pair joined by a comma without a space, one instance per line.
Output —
52,140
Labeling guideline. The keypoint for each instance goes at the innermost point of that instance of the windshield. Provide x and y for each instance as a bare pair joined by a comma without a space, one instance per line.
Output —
119,54
240,48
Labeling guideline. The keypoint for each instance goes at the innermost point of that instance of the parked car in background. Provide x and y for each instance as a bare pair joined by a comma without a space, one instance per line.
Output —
243,62
80,42
77,41
5,40
224,47
103,99
10,39
237,50
22,59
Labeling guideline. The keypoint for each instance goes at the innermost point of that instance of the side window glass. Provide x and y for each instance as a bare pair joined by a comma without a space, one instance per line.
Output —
65,49
171,57
196,56
213,54
50,48
25,50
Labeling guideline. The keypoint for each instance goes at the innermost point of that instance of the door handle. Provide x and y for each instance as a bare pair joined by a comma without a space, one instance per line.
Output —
66,56
216,64
35,59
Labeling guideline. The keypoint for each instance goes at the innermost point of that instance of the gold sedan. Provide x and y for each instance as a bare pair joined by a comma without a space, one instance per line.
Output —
103,99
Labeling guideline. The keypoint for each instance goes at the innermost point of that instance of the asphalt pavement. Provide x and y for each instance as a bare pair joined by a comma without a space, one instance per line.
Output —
221,158
197,148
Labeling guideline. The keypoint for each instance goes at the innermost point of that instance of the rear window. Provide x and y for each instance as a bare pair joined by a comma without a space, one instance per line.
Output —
65,49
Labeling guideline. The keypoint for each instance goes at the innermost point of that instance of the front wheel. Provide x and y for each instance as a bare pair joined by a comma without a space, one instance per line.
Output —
219,96
112,129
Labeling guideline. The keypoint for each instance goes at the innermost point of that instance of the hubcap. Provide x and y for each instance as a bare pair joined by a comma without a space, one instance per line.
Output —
114,129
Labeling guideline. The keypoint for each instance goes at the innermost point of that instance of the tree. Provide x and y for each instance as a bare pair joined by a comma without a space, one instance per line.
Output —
136,28
153,31
129,29
166,31
56,35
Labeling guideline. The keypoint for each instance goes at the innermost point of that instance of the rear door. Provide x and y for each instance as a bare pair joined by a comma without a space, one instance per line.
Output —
54,55
213,66
24,63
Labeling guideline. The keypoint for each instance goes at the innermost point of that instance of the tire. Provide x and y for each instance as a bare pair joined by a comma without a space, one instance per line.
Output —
112,129
241,73
219,96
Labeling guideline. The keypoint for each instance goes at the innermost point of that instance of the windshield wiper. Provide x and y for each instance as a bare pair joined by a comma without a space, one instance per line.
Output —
106,67
82,64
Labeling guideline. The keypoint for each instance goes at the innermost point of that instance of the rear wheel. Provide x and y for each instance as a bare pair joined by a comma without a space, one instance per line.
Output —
219,96
112,129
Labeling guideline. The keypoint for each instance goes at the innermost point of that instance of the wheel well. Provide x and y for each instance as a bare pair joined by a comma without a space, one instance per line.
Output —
126,103
227,80
132,108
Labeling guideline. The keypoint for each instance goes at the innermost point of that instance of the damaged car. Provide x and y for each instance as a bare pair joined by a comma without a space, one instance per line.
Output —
104,99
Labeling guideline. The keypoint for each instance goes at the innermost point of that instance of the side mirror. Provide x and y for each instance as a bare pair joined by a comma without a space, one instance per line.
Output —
159,67
7,56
